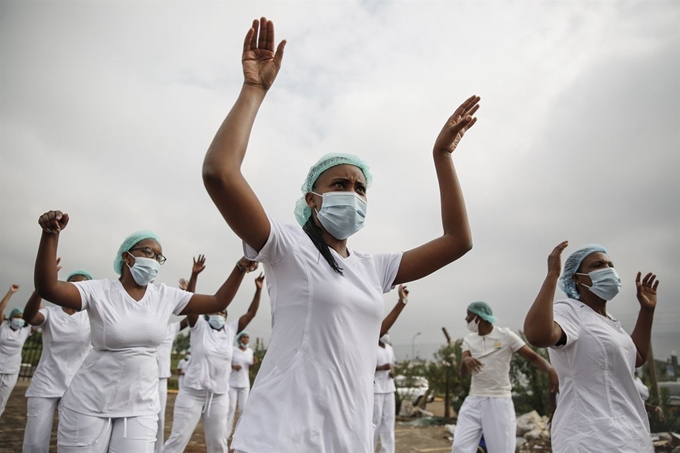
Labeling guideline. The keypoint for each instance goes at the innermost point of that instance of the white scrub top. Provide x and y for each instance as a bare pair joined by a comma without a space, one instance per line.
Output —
165,350
11,344
241,378
66,343
210,364
314,389
495,351
382,382
119,377
600,408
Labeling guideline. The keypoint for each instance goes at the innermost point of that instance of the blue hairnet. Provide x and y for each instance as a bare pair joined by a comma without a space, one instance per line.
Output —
302,211
82,272
16,311
483,310
127,244
572,264
238,337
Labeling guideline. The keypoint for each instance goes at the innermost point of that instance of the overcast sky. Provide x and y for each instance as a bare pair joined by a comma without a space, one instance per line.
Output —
107,109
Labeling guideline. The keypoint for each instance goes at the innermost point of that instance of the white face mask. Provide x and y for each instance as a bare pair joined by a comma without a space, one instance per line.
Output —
473,326
606,283
144,270
385,338
216,321
342,213
17,323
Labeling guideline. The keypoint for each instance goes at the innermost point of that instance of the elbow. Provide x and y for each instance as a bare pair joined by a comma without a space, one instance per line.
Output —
535,337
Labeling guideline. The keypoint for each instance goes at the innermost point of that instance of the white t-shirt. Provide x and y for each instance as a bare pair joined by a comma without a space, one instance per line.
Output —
11,344
314,390
182,365
165,351
211,350
382,382
600,408
241,379
119,377
495,351
66,343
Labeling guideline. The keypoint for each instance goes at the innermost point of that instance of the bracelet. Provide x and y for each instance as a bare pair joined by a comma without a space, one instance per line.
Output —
240,267
403,301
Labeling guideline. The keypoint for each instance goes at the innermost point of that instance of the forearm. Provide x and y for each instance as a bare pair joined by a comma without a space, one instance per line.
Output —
642,333
4,302
45,274
191,285
255,304
32,308
384,367
542,364
453,212
539,324
225,295
391,318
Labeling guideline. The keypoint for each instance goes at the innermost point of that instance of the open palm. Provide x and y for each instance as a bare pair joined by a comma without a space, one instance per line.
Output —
260,63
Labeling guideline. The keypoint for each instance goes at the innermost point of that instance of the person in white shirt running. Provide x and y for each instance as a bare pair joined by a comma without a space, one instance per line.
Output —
13,335
65,344
599,407
205,391
488,408
239,380
112,403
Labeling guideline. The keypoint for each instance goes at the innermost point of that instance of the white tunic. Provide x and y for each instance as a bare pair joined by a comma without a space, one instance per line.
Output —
165,350
119,377
66,343
241,379
210,362
314,390
600,408
382,382
11,344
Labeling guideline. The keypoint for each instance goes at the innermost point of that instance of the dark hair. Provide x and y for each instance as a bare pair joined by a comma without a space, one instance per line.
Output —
314,233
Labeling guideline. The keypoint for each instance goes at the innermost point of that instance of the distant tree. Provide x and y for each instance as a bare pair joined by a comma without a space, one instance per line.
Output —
182,342
530,385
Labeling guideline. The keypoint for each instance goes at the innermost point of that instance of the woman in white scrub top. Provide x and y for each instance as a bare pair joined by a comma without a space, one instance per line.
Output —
239,380
13,335
112,403
599,407
314,391
66,343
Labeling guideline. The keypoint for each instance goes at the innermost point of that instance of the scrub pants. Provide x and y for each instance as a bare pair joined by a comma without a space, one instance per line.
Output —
163,398
493,417
7,383
80,433
39,418
384,412
240,395
192,405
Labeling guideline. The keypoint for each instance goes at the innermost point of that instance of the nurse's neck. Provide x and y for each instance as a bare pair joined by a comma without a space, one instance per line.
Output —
598,304
485,327
130,285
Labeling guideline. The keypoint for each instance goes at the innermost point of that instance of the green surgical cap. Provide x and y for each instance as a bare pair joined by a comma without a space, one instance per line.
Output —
572,264
15,311
302,211
127,244
238,337
82,272
483,310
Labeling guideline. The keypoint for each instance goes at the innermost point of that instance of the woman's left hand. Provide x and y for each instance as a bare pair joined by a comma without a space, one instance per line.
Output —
646,290
457,125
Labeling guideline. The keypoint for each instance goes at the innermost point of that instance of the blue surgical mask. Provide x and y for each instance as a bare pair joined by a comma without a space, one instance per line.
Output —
145,270
606,283
342,213
17,323
216,321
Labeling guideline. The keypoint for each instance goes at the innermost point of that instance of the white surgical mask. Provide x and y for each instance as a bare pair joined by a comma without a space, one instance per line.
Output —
606,283
473,326
17,323
385,338
216,321
342,213
144,270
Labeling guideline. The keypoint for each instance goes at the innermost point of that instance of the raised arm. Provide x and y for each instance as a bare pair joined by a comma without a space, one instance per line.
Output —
540,327
542,364
32,313
196,268
46,282
391,318
456,240
5,300
222,175
642,333
244,320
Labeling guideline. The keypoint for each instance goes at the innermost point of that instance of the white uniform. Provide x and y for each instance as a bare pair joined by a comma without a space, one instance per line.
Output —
239,383
112,402
182,365
164,359
205,390
384,406
314,390
11,343
488,409
66,343
600,408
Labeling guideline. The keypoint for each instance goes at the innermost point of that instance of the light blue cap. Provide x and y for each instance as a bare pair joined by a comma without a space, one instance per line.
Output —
238,337
127,244
483,310
16,311
571,266
82,272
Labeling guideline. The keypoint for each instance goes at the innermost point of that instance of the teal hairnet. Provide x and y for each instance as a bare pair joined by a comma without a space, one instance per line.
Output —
483,310
16,311
238,337
127,244
82,272
571,265
302,211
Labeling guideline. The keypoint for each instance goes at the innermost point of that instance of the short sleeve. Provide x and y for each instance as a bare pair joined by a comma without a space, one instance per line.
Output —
45,312
179,298
466,344
568,320
387,266
88,290
515,341
233,326
280,243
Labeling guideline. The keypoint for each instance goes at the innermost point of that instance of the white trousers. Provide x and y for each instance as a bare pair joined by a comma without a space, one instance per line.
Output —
236,395
163,398
493,417
192,405
39,419
384,412
79,433
7,383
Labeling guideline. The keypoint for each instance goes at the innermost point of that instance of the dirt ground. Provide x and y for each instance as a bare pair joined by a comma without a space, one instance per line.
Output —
408,439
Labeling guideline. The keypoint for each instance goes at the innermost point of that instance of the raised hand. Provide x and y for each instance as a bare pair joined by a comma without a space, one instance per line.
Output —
555,258
199,265
403,292
13,288
53,221
183,284
457,124
646,290
246,265
260,63
259,281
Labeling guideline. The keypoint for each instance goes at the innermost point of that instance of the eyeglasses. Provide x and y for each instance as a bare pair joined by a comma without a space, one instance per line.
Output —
150,254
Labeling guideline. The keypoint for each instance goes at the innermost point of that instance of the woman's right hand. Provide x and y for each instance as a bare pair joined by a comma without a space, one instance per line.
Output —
555,258
473,365
53,221
260,63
